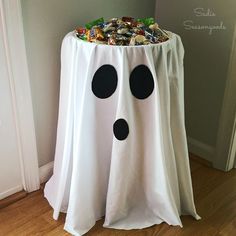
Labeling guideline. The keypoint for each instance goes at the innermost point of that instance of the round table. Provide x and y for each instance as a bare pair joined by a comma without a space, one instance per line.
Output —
121,148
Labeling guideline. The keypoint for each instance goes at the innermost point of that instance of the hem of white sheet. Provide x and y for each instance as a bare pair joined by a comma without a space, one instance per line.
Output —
142,227
196,216
55,214
70,229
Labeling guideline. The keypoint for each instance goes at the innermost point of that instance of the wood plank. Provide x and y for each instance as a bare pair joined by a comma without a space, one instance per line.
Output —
11,199
199,160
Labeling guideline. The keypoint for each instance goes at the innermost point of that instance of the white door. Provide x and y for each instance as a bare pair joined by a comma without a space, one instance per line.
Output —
10,171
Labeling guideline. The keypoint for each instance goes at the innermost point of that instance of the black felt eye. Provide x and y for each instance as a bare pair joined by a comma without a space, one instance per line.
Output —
104,81
141,82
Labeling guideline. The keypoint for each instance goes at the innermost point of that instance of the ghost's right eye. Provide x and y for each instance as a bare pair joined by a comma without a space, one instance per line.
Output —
104,81
141,82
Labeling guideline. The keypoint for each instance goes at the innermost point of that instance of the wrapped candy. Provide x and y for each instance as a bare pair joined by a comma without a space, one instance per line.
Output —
125,31
128,19
109,27
81,33
95,34
132,41
93,23
112,40
147,21
154,27
139,39
138,31
81,30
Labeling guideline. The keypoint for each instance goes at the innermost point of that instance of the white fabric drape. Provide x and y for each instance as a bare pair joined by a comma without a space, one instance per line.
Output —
136,182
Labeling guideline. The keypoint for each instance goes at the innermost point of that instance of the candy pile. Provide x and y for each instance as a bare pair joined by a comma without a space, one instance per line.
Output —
125,31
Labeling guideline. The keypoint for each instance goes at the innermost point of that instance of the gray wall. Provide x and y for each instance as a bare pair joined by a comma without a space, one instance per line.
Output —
206,63
45,24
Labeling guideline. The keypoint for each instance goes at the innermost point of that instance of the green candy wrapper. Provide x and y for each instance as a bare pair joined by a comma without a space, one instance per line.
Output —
95,22
147,21
84,37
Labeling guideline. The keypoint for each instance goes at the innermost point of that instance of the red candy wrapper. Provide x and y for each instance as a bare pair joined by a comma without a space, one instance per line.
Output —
81,30
128,19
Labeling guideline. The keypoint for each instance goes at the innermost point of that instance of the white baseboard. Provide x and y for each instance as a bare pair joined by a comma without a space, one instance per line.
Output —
45,172
202,150
11,191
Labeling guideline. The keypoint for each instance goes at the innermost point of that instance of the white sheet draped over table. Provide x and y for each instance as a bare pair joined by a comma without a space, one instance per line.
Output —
136,182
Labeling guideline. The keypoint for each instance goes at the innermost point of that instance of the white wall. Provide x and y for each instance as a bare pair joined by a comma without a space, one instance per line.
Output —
45,24
10,172
206,64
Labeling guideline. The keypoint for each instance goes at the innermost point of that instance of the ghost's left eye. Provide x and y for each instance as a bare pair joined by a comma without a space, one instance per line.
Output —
104,81
141,82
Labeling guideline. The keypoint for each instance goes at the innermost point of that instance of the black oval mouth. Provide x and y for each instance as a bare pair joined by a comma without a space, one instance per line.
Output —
121,129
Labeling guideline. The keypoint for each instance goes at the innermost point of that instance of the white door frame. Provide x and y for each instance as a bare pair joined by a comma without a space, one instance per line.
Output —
224,155
14,42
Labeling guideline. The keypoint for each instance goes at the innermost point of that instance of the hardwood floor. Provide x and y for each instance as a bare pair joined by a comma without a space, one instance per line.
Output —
215,197
13,198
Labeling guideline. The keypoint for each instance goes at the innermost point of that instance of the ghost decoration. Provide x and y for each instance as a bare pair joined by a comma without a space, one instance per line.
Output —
104,84
121,149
